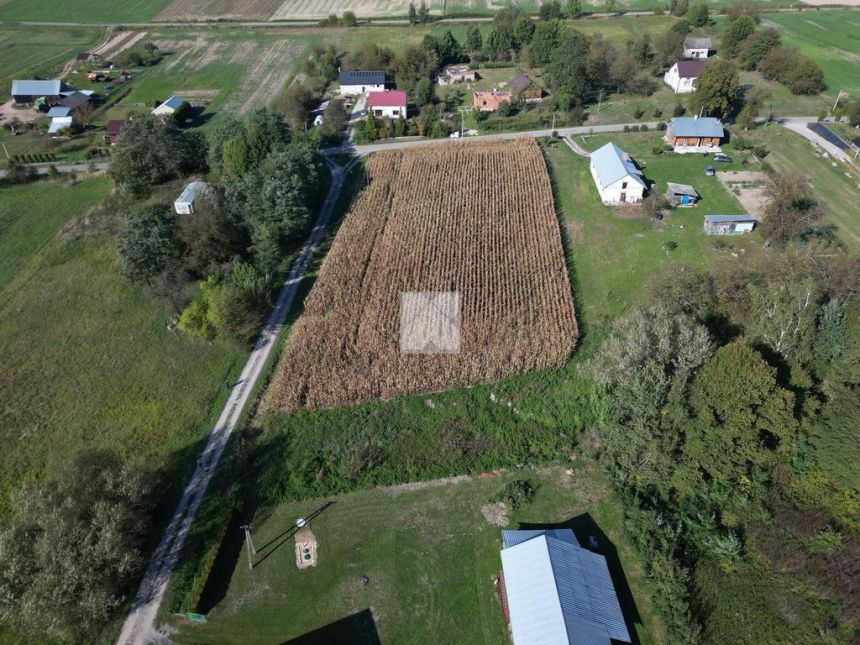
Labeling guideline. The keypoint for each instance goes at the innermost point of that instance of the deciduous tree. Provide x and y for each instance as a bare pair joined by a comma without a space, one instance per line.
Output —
717,90
147,242
790,208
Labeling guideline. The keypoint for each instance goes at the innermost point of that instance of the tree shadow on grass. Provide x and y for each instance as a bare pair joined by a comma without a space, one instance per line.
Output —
357,629
584,527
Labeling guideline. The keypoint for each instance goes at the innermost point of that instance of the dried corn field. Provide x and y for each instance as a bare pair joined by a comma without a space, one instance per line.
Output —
475,219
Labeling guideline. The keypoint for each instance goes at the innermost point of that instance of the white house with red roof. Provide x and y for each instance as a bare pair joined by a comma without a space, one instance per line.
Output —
390,103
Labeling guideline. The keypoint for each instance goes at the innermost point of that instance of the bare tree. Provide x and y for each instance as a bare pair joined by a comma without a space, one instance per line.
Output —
790,209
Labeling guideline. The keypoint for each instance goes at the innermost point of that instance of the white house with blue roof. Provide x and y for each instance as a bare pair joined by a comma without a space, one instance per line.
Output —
555,592
617,178
169,106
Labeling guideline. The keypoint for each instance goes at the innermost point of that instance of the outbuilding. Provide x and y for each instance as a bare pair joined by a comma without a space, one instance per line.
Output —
695,134
453,74
388,103
682,76
169,106
184,204
681,194
617,178
525,89
697,47
361,82
729,224
114,127
556,592
24,92
60,123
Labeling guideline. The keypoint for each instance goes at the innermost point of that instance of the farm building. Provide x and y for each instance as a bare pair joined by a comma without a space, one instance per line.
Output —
682,76
617,178
169,106
76,100
729,224
697,47
525,89
29,91
59,110
681,194
114,127
555,591
184,204
695,134
489,101
390,103
359,82
59,123
453,74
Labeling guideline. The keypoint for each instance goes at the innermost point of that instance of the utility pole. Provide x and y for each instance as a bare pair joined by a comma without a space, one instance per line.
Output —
6,151
250,544
553,121
599,100
836,102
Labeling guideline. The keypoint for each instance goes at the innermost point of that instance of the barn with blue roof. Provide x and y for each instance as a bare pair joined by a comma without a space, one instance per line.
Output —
555,592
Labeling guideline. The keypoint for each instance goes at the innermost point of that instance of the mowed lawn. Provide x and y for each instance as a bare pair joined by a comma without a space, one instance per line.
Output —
615,258
87,359
421,559
831,38
106,11
27,50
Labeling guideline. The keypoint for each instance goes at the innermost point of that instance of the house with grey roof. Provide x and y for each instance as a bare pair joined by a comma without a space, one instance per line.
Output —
361,82
29,91
695,134
617,178
554,592
681,77
697,47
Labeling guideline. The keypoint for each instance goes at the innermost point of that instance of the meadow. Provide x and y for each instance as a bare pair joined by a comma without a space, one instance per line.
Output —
423,558
95,11
831,38
88,359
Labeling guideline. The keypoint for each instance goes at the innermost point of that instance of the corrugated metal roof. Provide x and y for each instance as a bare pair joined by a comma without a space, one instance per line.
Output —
612,164
191,191
691,68
387,98
715,219
512,538
690,126
558,592
682,189
358,77
37,88
59,110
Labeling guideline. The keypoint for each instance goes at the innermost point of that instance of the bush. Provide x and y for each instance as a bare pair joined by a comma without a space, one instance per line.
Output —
661,126
658,113
643,127
626,128
634,128
516,493
678,110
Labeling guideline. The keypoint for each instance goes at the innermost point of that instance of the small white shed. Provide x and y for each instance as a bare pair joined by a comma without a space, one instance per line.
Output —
184,204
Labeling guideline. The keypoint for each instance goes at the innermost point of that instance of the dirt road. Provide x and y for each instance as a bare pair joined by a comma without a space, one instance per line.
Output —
139,627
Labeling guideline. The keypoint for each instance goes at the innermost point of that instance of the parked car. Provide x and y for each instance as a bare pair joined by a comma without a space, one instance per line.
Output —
722,158
710,171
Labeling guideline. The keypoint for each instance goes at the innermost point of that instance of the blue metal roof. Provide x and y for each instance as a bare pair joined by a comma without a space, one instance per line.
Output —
558,592
37,88
357,77
611,164
714,219
690,126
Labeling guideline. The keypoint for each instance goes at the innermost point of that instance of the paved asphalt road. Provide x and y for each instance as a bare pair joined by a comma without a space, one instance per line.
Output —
139,627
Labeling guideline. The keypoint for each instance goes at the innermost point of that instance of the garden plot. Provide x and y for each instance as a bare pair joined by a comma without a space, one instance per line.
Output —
316,9
748,187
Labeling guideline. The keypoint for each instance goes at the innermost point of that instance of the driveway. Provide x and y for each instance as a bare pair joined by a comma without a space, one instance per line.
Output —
800,125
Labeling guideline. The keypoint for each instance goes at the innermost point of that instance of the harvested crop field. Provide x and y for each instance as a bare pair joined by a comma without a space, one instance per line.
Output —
474,220
316,9
215,9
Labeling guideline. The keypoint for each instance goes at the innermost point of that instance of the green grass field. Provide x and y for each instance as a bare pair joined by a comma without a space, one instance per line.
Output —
836,185
27,50
87,358
95,11
831,38
430,556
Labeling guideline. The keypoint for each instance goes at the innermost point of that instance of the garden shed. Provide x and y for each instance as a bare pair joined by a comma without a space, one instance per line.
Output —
729,224
681,194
